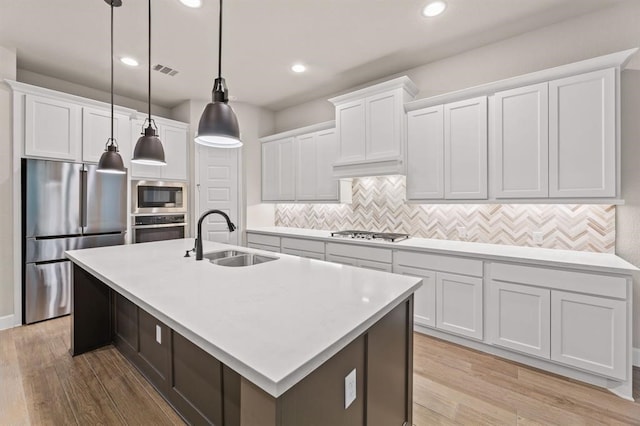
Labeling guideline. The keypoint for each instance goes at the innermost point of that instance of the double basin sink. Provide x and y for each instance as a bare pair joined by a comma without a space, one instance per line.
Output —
235,258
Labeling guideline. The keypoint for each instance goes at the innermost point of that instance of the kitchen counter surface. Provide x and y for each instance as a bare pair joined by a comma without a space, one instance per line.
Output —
272,323
602,262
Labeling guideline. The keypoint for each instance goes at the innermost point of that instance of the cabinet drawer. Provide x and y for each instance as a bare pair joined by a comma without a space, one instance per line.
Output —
595,284
265,240
360,252
304,253
263,247
306,245
434,262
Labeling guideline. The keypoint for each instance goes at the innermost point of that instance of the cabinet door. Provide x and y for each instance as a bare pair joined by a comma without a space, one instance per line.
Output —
326,155
350,122
306,165
465,149
521,143
52,128
459,304
174,142
270,174
96,130
383,118
425,154
286,170
141,171
424,302
589,333
520,318
582,135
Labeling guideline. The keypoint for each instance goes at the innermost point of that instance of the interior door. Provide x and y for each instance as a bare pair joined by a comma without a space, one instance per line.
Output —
219,188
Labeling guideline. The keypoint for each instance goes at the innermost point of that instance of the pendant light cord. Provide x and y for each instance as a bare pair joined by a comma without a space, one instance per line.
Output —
149,71
220,44
112,71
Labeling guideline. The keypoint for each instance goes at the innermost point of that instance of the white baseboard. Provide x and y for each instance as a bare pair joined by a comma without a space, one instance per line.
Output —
7,322
636,357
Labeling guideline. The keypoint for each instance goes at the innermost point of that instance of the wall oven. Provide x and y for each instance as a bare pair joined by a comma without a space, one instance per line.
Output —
153,197
148,228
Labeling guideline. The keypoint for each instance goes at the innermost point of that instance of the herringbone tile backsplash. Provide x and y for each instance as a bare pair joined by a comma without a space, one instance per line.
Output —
378,205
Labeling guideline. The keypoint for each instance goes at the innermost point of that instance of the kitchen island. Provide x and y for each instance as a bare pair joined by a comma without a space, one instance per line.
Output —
287,342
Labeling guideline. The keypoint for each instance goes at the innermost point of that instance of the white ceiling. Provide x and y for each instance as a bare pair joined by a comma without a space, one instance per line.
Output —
344,42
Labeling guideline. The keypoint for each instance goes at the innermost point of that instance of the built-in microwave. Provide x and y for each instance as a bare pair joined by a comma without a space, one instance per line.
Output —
152,196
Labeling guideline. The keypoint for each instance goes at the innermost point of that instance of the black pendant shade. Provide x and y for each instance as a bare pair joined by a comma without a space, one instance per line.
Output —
218,125
148,148
110,160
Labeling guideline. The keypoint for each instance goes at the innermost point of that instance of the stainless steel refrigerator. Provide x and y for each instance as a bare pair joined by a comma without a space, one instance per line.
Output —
65,206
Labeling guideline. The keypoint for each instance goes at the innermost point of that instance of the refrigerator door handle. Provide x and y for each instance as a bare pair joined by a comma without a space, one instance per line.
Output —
83,198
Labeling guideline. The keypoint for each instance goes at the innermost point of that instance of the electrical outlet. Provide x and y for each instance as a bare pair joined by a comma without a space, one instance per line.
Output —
158,334
349,388
462,231
537,237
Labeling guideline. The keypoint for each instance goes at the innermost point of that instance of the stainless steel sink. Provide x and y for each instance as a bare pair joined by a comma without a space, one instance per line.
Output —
222,254
235,258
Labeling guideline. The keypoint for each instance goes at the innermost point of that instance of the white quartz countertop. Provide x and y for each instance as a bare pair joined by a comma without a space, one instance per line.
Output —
272,323
602,262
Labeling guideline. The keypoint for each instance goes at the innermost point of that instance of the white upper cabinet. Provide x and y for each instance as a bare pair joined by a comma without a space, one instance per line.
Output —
278,170
521,142
297,165
52,128
465,149
425,154
371,130
582,135
96,130
174,137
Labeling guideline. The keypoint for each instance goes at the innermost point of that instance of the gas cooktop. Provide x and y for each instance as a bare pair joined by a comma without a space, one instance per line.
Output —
367,235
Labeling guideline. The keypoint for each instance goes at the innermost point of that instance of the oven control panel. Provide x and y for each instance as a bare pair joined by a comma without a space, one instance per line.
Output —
159,219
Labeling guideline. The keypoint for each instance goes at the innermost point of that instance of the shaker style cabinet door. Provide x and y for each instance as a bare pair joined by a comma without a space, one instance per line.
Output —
425,154
326,155
96,130
459,304
582,135
306,164
278,170
52,129
589,333
521,142
520,318
424,301
174,142
350,122
465,149
383,118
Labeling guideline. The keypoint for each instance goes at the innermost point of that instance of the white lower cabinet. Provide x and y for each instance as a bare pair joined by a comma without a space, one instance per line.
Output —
519,318
424,299
263,242
375,258
310,249
459,304
589,332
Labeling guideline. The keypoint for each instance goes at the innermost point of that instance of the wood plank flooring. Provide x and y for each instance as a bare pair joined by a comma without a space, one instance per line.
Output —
41,384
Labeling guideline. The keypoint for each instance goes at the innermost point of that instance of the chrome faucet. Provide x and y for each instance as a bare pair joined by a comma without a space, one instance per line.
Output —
230,224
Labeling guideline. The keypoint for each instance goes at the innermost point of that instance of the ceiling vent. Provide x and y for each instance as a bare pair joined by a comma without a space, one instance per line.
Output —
165,70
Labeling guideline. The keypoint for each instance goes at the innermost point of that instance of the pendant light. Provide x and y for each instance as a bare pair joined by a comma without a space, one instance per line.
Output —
149,149
218,125
110,160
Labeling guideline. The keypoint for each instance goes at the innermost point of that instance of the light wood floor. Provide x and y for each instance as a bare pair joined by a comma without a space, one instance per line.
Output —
40,384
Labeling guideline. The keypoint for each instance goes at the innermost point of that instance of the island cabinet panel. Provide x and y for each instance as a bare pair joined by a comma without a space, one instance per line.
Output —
319,399
126,324
153,349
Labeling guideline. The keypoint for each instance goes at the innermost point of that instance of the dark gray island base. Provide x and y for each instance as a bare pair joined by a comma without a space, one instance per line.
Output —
205,391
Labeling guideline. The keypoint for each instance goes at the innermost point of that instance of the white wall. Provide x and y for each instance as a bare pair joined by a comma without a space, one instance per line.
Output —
53,83
7,70
606,31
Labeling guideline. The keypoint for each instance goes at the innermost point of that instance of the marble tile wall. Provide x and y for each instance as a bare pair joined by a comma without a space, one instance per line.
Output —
378,205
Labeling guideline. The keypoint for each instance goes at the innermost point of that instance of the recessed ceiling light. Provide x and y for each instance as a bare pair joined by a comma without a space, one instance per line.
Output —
434,8
192,3
298,68
127,60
